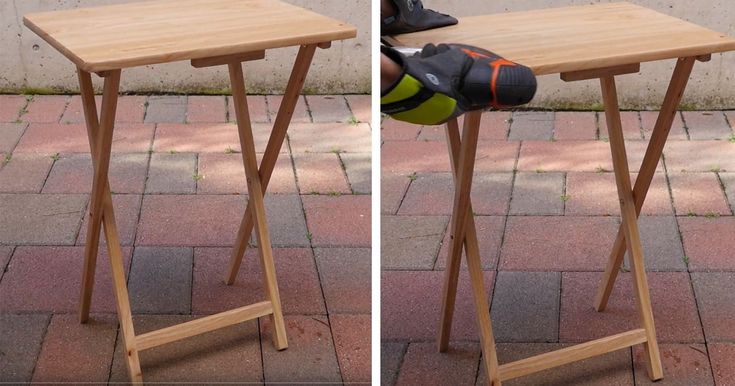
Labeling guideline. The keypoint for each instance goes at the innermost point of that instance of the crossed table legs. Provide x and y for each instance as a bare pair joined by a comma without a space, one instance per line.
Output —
102,215
463,234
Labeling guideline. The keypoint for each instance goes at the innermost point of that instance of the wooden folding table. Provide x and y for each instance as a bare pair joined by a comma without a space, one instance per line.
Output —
585,42
104,40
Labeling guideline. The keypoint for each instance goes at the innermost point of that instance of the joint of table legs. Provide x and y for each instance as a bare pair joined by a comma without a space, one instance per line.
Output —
574,76
227,59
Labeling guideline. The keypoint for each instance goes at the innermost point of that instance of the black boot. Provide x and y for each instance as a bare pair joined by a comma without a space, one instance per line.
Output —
411,16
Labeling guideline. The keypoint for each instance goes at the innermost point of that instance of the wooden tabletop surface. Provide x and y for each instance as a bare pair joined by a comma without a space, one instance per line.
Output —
136,34
579,38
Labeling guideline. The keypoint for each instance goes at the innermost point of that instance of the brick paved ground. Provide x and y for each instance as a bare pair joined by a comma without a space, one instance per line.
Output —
547,210
179,194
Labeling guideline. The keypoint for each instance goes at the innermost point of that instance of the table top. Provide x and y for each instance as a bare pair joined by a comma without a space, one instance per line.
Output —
136,34
579,38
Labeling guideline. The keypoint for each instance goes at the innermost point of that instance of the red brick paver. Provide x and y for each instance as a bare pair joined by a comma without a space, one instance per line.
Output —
345,277
706,125
25,173
54,138
353,346
698,194
411,300
179,193
342,220
48,278
320,173
557,243
424,365
296,273
575,126
75,352
562,219
311,356
11,106
722,355
257,107
708,242
130,108
674,308
202,109
45,109
684,364
10,134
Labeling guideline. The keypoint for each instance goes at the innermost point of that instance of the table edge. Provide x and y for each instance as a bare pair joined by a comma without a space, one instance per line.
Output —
349,32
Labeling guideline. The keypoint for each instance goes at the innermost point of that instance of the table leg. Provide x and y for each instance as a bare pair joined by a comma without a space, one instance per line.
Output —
645,176
454,259
463,233
255,202
101,212
272,150
629,215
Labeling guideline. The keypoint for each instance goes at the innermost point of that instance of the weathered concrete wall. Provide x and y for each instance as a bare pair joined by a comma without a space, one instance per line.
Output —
712,85
27,62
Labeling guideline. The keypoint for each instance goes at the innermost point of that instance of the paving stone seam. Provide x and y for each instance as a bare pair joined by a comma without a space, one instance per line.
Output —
685,125
498,254
4,268
642,135
349,107
24,110
632,363
399,367
80,222
561,293
564,194
227,108
308,108
316,266
115,343
728,200
411,179
48,173
435,265
146,103
731,125
313,257
66,106
25,126
43,339
343,166
197,174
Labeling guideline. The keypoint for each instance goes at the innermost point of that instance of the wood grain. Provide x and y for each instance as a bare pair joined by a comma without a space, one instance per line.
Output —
655,149
202,325
579,38
572,354
136,34
629,216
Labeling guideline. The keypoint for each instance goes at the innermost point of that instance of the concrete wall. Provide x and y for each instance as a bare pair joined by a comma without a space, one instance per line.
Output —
712,85
27,62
